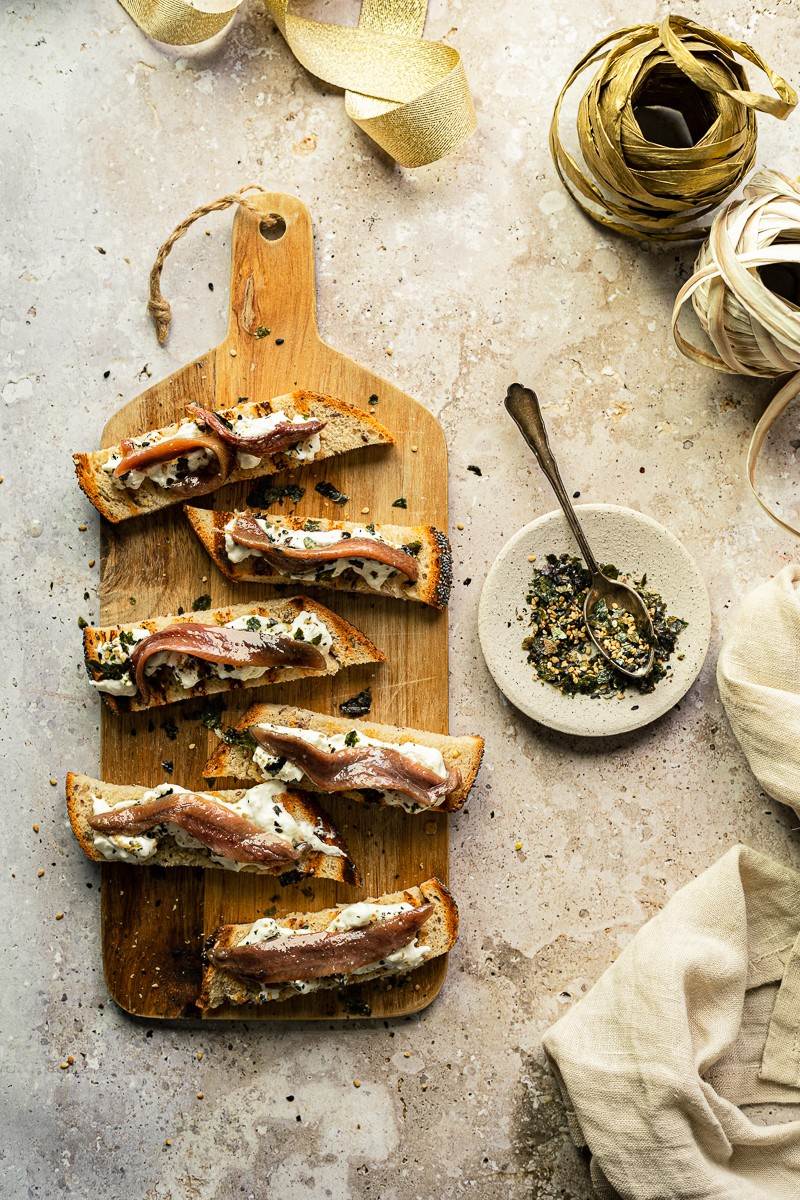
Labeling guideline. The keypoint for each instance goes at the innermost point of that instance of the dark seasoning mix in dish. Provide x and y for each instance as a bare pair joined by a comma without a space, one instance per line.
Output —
559,647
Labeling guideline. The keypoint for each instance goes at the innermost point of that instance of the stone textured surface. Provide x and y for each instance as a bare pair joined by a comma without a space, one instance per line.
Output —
452,280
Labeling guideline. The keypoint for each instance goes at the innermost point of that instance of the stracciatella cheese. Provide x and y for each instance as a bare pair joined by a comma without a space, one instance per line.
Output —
165,474
426,756
374,573
306,626
260,804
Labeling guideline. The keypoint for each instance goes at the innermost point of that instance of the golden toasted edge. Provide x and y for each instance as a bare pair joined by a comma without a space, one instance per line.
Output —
350,647
81,788
434,590
465,752
221,987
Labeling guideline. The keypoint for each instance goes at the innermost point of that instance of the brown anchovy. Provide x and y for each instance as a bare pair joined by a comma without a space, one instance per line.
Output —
247,532
220,644
134,459
223,832
305,956
281,437
360,767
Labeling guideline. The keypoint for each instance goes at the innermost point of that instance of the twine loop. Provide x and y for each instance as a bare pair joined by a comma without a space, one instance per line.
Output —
157,305
643,188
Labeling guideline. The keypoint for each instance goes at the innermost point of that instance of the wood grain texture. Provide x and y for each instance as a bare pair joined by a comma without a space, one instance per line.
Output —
154,921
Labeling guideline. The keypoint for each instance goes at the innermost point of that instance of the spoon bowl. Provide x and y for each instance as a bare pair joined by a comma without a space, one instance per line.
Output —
522,405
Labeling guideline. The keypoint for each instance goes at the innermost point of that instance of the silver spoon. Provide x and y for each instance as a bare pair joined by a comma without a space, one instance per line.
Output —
523,406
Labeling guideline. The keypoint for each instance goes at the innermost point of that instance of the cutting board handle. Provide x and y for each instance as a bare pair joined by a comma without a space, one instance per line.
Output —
272,277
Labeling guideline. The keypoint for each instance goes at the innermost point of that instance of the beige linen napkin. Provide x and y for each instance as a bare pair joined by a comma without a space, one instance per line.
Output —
699,1015
758,673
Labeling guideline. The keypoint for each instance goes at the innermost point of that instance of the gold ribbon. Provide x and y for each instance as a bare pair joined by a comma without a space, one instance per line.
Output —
642,188
409,95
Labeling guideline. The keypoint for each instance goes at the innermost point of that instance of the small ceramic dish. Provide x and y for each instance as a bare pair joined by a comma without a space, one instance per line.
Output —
637,545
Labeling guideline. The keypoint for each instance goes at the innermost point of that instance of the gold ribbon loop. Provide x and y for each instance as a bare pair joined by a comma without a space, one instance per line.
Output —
409,95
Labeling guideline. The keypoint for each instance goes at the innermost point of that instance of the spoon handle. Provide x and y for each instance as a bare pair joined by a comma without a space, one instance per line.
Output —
523,407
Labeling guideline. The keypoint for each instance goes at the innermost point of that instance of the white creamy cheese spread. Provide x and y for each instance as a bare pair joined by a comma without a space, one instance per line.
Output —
259,804
165,474
187,670
375,573
426,756
351,916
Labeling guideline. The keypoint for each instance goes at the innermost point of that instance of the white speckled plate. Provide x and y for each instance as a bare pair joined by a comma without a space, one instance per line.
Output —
634,543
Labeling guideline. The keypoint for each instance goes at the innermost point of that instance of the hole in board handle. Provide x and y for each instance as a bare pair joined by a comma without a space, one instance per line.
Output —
273,232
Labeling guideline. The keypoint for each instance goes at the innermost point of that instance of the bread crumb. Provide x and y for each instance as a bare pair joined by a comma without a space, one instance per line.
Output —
517,845
192,745
40,873
365,511
64,1066
199,1055
35,827
201,1095
70,1059
59,916
460,525
414,449
356,1083
167,1141
92,562
53,781
232,353
406,1054
83,528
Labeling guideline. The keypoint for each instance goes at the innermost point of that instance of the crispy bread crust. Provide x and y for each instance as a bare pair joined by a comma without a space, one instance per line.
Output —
81,789
440,931
350,648
434,559
347,428
464,753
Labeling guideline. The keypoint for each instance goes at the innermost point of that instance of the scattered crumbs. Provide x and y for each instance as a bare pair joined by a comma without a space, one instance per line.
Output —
400,502
265,494
406,1054
232,353
59,916
168,1141
53,781
106,374
414,449
192,745
131,600
262,331
289,1099
40,873
460,525
356,1083
82,623
468,581
373,400
70,1059
201,603
279,341
475,470
168,765
518,845
330,492
199,1055
91,562
201,1095
576,495
365,509
99,249
358,705
63,1066
82,528
641,469
35,827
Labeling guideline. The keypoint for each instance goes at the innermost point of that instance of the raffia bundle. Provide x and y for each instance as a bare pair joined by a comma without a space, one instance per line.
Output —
643,188
753,329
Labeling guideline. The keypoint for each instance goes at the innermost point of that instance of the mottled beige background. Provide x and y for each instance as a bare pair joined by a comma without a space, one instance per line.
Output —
452,280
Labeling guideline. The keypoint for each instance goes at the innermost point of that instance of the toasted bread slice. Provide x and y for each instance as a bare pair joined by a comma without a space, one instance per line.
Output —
439,933
346,428
350,648
433,556
462,753
81,791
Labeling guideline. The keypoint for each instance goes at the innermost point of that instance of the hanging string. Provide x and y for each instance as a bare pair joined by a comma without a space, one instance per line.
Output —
157,305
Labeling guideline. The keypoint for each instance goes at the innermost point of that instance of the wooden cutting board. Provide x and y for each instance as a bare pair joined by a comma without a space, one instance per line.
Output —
155,920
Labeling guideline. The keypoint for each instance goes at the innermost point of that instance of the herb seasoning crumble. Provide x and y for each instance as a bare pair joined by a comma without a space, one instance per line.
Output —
558,645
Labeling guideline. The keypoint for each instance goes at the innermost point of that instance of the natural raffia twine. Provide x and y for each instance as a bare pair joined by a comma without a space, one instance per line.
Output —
409,95
158,306
753,331
644,189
